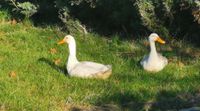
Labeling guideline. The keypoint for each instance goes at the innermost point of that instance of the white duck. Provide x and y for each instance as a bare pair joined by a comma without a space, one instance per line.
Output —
155,61
83,69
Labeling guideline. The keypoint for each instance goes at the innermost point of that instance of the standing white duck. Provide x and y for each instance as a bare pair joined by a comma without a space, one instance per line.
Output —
85,69
154,62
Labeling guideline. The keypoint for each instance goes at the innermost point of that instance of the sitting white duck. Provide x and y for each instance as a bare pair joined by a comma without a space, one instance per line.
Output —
154,62
85,69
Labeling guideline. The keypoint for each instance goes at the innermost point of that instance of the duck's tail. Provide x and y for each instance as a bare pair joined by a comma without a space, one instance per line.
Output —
104,75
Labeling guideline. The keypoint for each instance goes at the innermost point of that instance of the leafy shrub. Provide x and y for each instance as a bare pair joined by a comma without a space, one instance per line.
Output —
196,11
129,17
71,24
25,8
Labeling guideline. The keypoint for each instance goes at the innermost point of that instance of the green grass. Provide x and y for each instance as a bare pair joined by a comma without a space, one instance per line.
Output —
39,84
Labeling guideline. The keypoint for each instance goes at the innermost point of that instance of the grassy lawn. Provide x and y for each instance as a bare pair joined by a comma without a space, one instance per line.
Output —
32,72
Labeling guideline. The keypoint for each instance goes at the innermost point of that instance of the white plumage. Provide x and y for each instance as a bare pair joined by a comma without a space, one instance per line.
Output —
154,62
85,69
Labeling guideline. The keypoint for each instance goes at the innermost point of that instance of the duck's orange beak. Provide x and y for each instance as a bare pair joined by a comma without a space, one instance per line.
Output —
160,40
61,42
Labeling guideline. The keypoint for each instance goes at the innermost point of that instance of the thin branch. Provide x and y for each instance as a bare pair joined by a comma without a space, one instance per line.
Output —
13,2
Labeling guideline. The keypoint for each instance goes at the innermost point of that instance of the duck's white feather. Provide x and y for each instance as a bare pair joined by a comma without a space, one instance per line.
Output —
154,65
164,59
84,69
88,69
154,62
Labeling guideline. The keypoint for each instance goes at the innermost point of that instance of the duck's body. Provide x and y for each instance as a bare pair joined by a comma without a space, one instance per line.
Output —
84,69
154,62
90,70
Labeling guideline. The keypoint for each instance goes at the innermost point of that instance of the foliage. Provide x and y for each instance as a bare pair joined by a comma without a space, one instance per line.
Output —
125,17
72,25
168,18
196,11
25,8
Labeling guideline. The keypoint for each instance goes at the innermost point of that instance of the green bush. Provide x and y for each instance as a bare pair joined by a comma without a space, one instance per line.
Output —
130,17
25,8
138,17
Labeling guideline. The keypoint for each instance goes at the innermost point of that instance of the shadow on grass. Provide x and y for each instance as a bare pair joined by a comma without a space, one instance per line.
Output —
165,101
122,100
61,69
169,100
97,108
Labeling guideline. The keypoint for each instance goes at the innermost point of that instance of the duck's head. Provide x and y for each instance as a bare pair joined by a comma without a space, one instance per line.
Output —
67,39
154,37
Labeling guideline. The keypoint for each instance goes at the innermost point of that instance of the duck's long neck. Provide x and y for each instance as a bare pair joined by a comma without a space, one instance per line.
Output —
153,53
72,60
